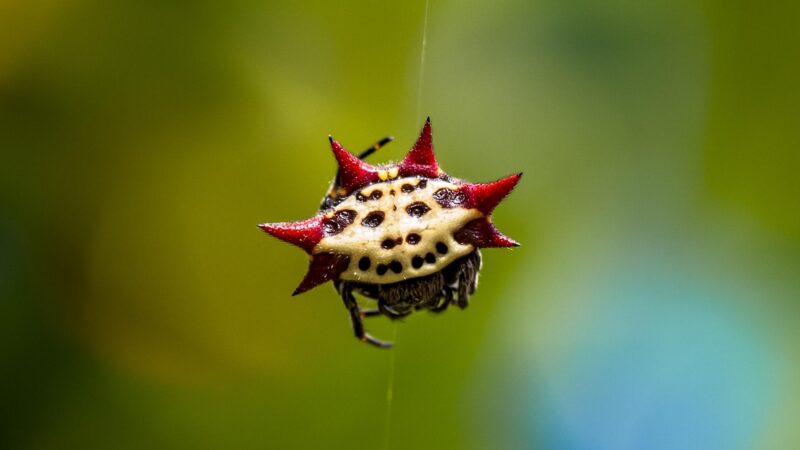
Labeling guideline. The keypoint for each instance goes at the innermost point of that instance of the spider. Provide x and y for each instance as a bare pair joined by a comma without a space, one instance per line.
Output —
406,235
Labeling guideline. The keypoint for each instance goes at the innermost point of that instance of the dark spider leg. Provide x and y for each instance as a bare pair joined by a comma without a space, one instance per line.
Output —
387,311
355,318
476,270
466,283
369,312
428,304
448,298
463,296
375,147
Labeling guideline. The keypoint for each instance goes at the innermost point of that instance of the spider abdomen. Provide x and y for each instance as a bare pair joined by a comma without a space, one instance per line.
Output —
398,231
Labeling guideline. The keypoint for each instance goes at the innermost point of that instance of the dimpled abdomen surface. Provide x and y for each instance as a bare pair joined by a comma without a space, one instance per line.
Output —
396,230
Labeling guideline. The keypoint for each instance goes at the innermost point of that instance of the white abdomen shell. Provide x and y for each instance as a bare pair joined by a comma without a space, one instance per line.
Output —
399,233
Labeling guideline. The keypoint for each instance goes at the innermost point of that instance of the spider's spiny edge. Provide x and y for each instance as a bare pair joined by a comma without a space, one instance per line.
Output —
406,235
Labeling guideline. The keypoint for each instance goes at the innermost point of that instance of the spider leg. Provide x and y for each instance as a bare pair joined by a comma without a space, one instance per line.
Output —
389,312
463,296
476,267
369,312
355,318
467,280
375,147
447,299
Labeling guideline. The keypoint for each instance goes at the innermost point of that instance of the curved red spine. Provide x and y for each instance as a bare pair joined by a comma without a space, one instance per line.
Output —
353,173
420,160
323,267
485,197
482,233
305,234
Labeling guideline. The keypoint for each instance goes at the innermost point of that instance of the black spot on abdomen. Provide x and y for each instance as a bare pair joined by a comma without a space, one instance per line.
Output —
417,209
449,198
374,195
338,222
373,219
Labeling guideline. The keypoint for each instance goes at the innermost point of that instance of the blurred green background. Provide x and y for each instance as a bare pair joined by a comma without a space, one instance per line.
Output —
653,304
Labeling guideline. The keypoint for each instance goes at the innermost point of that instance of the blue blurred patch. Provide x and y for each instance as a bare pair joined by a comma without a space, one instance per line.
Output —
661,366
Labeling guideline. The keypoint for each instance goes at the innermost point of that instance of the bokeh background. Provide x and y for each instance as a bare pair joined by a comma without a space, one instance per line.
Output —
653,304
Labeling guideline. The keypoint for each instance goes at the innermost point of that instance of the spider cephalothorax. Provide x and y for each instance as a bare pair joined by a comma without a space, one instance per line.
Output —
407,234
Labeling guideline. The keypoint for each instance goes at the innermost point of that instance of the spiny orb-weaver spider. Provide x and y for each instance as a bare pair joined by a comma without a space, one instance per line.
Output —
407,235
